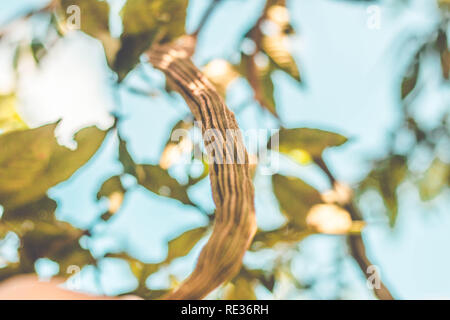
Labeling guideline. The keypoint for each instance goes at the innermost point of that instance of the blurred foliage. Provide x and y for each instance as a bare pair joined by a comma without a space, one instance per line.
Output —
32,161
304,144
265,49
145,22
394,169
10,120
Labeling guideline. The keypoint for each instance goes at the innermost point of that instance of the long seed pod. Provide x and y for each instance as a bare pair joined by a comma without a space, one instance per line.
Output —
232,187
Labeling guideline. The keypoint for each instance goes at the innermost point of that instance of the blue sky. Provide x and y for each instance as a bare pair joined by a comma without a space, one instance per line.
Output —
352,76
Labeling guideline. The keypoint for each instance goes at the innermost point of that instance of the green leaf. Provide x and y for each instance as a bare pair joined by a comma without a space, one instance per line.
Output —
41,210
410,79
24,155
158,180
203,175
94,15
289,233
115,192
129,166
240,289
10,120
275,44
42,236
152,16
131,48
386,178
295,198
444,5
146,21
14,269
177,247
38,50
295,142
276,49
174,145
32,161
58,241
183,244
442,45
139,269
221,74
95,22
110,186
259,78
271,53
435,179
267,279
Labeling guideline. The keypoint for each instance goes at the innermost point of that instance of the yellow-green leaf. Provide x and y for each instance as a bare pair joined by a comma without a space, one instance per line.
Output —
276,48
110,186
139,269
386,178
41,210
435,179
129,166
300,142
289,233
410,79
32,161
295,198
259,77
115,192
94,21
94,15
240,289
58,241
9,118
442,44
158,180
145,21
182,245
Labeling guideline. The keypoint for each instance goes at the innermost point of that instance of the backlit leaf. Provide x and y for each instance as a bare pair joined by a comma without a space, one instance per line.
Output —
295,198
94,21
284,235
221,73
177,144
32,161
57,241
183,244
240,289
145,21
298,143
9,118
442,44
386,178
259,78
410,79
435,179
129,166
115,192
158,180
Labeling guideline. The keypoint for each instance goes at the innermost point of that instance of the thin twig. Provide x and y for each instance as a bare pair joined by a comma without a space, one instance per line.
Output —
206,17
355,241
